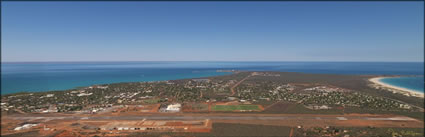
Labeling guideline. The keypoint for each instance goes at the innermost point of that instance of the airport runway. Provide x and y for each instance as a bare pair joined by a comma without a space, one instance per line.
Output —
219,118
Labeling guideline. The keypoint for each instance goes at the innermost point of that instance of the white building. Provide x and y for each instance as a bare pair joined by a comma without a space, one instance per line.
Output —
84,94
50,95
26,126
102,87
174,107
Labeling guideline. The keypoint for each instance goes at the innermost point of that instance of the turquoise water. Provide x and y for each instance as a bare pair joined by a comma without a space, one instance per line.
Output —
412,83
48,76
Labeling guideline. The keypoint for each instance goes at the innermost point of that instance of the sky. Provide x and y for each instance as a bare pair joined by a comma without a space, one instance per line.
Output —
212,31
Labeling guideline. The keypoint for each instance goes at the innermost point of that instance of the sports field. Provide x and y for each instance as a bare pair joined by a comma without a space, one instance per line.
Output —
235,107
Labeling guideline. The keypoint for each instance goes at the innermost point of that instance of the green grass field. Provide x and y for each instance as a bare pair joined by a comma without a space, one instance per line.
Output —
234,107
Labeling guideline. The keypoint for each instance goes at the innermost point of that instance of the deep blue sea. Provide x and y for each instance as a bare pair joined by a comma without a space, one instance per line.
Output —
47,76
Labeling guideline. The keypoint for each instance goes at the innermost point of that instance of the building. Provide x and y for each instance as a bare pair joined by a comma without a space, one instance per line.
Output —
50,95
201,80
170,108
84,94
52,108
25,126
173,107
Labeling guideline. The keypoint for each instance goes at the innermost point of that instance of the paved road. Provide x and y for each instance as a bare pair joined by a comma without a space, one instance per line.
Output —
220,118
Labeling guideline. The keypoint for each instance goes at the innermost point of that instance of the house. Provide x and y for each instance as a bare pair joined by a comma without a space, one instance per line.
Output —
405,106
84,94
52,108
50,95
231,98
201,80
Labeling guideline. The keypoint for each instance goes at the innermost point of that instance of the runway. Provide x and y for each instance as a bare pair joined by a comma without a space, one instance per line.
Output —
341,118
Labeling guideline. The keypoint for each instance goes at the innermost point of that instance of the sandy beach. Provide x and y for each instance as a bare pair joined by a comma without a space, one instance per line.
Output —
401,90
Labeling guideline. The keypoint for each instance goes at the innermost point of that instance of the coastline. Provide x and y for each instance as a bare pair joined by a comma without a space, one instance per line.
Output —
219,73
394,89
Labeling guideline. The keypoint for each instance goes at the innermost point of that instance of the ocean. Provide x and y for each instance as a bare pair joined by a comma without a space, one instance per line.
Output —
49,76
412,83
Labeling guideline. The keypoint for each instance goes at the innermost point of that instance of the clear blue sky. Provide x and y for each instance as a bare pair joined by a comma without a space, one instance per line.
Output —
212,31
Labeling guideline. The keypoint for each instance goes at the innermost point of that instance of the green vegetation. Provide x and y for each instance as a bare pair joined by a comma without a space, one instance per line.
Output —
293,108
360,132
151,101
235,107
226,130
200,107
416,115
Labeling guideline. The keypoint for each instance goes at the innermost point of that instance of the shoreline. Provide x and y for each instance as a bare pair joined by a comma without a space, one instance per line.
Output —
395,89
222,73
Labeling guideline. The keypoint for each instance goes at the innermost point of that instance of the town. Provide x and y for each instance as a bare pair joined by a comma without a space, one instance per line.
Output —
212,91
253,93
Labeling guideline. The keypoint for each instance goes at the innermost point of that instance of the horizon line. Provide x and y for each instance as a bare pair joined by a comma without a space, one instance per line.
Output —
198,61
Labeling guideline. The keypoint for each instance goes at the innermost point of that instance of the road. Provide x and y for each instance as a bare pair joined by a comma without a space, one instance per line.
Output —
234,86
